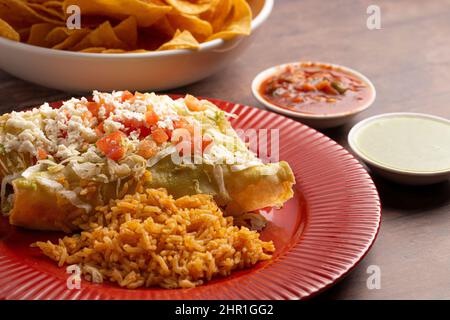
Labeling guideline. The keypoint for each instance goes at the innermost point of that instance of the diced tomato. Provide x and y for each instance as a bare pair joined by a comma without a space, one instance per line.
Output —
132,124
169,133
108,109
127,95
298,99
160,136
193,103
179,123
143,126
307,87
194,144
206,142
183,143
144,132
147,149
111,145
178,135
151,118
183,124
41,154
93,107
100,131
325,86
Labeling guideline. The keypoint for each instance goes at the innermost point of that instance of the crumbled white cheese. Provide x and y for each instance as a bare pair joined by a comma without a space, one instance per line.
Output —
20,123
63,152
85,170
96,96
166,123
77,133
91,156
27,147
109,125
26,135
102,112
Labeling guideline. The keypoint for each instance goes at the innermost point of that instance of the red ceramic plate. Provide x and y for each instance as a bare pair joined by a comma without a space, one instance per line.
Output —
320,234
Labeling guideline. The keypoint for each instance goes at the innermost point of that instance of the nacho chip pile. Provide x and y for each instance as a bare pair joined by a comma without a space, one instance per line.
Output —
118,26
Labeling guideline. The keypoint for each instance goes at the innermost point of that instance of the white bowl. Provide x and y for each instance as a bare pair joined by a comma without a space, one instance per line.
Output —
313,120
153,71
397,175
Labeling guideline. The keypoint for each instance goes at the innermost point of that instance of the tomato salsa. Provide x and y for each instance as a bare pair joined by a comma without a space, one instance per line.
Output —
315,88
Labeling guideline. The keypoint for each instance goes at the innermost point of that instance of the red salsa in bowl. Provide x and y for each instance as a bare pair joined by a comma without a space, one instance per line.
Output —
317,89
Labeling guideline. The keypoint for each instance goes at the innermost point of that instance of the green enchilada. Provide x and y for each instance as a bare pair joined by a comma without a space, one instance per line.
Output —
65,162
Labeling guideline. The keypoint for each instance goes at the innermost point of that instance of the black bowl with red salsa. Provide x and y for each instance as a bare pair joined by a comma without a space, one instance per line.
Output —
316,89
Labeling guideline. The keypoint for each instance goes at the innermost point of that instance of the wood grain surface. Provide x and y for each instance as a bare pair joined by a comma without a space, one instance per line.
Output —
408,60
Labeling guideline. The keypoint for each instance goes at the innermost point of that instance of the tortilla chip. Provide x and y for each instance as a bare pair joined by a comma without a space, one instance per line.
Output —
192,8
103,36
75,37
118,51
8,32
57,35
45,11
114,51
152,38
199,28
54,4
138,51
145,12
127,32
38,34
238,22
163,26
24,33
93,22
19,14
93,50
118,26
218,13
181,40
104,50
43,1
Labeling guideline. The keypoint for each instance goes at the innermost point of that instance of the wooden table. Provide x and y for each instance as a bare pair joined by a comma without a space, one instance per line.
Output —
409,62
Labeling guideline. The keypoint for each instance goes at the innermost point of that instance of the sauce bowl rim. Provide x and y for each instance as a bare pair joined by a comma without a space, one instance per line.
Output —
363,123
265,74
